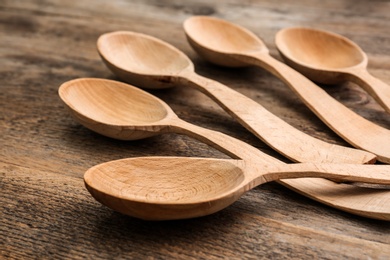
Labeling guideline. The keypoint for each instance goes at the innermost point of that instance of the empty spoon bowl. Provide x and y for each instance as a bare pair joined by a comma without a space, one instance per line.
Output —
329,58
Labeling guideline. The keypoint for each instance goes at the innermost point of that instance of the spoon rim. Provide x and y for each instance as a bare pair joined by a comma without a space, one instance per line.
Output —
236,190
280,41
107,58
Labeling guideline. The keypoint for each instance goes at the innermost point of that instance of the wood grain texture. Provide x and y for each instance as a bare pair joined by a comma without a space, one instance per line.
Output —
47,213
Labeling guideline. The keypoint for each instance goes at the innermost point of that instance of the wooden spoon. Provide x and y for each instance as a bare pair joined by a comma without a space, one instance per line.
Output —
226,44
166,188
151,63
330,58
173,188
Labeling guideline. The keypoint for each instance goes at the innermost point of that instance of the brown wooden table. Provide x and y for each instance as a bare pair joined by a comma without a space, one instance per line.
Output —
47,213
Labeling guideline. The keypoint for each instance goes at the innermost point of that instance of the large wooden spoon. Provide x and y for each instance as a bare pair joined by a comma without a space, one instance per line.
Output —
329,58
166,188
151,63
227,44
174,188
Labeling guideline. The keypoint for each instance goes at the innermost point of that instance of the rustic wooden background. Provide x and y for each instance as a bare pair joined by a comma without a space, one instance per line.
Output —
46,212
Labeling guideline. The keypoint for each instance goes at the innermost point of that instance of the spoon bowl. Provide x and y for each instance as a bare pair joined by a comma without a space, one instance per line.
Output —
214,38
144,187
148,63
321,56
104,107
330,58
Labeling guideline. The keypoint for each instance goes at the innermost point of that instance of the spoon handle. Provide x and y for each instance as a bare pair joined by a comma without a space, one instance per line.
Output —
282,137
379,90
229,145
353,128
375,174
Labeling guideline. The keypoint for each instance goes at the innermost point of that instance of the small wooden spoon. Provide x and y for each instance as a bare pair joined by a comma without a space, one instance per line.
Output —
227,44
173,188
329,58
151,63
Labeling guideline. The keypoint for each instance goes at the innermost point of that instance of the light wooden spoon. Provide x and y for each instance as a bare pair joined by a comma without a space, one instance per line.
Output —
227,44
329,58
151,63
167,188
173,188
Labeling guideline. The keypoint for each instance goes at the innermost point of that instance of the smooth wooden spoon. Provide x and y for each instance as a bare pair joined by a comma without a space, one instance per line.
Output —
329,58
227,44
173,188
167,188
151,63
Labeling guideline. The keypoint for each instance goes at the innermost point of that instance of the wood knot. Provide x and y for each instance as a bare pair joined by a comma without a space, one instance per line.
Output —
352,94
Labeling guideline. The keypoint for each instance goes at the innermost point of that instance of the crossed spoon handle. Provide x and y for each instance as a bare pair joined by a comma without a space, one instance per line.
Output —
279,135
353,128
377,174
227,44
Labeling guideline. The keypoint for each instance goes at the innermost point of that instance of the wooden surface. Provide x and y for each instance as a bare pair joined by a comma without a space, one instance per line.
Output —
46,212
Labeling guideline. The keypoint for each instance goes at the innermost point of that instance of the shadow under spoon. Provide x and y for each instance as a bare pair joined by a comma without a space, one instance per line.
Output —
227,44
164,188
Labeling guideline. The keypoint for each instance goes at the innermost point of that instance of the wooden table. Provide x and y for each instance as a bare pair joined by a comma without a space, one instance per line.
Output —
47,213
